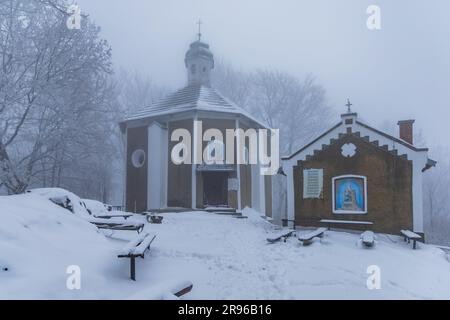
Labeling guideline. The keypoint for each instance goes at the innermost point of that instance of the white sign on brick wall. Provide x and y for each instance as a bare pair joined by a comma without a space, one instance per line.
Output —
312,183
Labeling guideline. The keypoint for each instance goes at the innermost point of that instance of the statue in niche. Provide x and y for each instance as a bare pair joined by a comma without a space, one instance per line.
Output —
349,202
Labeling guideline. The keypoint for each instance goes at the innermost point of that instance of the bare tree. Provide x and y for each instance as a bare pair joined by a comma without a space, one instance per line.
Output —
51,77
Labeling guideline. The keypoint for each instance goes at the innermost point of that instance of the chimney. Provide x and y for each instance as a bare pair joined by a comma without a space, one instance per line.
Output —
406,130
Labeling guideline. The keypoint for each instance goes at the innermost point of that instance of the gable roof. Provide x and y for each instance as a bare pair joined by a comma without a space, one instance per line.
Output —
194,97
364,131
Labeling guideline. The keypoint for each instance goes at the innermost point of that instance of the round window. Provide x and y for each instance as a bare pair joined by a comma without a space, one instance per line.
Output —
138,158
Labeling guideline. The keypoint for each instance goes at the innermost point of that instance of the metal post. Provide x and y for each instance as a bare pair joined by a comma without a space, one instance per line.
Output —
133,268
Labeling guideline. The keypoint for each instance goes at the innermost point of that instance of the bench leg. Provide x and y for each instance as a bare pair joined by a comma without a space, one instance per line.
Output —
414,244
133,268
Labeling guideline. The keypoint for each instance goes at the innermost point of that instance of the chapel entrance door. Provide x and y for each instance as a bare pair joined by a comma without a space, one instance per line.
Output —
215,188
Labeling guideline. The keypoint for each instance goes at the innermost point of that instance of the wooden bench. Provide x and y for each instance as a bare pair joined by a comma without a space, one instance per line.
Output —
329,222
115,215
409,235
137,248
307,238
283,235
169,291
368,238
117,225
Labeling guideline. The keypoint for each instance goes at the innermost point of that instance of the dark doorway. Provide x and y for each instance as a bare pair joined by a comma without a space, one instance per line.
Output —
215,188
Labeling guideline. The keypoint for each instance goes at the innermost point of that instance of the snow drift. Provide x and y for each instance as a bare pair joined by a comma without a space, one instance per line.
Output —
39,240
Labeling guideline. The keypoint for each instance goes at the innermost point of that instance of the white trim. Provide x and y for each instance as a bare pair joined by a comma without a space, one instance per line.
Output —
317,145
165,175
255,187
193,165
156,166
238,166
262,191
333,194
124,196
290,193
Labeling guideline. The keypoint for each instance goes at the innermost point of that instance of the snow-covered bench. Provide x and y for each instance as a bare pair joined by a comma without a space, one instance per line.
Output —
409,235
282,235
171,290
115,215
368,238
307,238
106,224
137,248
329,222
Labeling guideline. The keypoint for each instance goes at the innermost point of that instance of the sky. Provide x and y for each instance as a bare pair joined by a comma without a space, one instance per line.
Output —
401,71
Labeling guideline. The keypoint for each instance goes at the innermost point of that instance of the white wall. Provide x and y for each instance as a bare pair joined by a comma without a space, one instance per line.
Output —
157,167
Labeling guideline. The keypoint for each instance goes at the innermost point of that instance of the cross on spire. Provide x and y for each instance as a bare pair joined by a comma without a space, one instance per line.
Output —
199,29
348,105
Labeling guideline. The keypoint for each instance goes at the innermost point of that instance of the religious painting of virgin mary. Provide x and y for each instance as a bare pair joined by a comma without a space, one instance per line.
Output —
349,194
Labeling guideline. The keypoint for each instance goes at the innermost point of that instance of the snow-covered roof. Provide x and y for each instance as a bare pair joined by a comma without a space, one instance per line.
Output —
194,97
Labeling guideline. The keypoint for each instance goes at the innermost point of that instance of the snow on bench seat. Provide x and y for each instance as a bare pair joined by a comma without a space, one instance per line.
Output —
347,222
307,238
171,290
114,224
329,222
136,248
139,245
281,235
409,235
114,215
368,238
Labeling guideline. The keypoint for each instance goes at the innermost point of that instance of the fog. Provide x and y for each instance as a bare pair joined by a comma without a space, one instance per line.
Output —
401,71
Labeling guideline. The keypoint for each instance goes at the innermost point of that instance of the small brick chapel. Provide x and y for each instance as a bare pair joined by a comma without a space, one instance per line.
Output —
355,172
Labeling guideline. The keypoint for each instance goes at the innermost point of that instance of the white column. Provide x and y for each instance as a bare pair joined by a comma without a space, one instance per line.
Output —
165,176
124,199
262,191
194,161
238,167
289,170
417,196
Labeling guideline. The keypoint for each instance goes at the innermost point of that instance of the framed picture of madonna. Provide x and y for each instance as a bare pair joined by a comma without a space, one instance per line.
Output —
349,194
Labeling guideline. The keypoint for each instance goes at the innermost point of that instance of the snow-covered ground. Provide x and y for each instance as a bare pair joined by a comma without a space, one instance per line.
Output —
224,257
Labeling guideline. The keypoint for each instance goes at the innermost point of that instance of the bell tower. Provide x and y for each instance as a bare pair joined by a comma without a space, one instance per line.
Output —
199,62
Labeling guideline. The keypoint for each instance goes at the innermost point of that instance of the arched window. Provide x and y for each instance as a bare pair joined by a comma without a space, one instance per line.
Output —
215,152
